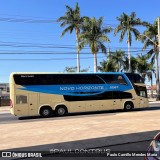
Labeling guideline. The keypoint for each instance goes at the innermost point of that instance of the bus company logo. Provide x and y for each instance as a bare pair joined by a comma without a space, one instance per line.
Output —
80,88
6,154
27,76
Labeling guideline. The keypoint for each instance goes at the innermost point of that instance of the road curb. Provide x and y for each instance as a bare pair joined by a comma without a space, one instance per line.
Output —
4,112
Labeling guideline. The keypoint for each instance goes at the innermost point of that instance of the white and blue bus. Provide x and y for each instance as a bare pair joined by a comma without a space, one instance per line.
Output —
61,93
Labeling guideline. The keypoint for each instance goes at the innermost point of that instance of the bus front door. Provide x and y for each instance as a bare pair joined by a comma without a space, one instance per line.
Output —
32,102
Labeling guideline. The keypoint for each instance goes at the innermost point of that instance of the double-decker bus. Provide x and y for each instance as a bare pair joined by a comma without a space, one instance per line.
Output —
61,93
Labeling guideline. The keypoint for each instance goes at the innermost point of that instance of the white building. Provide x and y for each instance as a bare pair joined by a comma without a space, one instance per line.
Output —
151,91
4,90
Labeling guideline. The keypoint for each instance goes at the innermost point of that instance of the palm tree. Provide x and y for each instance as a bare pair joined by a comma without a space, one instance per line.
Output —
119,58
127,26
143,66
150,78
146,69
107,66
94,35
149,38
73,69
73,21
133,64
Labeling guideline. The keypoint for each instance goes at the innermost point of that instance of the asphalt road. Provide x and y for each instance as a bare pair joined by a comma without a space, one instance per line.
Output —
7,118
123,142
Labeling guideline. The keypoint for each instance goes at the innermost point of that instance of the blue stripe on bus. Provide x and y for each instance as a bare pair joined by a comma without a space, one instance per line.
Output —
79,90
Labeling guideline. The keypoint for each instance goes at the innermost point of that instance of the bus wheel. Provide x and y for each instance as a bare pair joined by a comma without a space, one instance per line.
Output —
46,111
128,106
61,110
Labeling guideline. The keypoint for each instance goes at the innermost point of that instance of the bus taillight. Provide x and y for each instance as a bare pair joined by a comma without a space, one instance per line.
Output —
11,104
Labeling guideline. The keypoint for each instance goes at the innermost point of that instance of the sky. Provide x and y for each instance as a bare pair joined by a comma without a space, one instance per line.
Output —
29,26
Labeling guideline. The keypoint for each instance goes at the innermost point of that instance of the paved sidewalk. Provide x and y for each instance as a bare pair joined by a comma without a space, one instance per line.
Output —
4,109
28,133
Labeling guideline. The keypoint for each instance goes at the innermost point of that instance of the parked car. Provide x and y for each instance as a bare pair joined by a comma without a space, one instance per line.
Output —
153,152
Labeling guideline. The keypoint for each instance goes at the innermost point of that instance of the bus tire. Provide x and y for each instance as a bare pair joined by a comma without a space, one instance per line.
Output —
128,106
61,110
46,111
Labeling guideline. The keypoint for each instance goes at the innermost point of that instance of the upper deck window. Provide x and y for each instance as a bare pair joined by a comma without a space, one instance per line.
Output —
60,79
113,78
57,79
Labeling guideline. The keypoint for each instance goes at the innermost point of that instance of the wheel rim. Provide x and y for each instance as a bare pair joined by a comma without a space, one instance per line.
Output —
128,106
46,112
61,111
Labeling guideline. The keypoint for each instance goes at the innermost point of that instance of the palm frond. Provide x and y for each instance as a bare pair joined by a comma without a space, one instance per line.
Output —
135,32
123,32
68,29
102,47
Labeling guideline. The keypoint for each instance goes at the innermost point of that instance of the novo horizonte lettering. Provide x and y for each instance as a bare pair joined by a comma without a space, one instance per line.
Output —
82,88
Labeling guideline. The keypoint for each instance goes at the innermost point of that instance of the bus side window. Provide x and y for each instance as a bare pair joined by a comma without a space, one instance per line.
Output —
141,91
125,95
116,95
21,99
119,79
143,94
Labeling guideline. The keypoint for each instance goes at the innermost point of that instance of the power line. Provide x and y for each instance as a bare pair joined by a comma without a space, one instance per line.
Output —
34,43
31,19
44,59
28,20
14,52
59,46
47,59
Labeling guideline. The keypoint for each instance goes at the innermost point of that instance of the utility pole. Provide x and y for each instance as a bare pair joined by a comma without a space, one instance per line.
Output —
157,77
159,35
108,54
0,97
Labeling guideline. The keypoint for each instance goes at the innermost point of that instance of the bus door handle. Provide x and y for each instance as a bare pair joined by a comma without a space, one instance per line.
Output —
31,104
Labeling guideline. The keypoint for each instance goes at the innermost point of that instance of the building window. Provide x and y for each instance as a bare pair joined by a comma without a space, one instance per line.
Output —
8,89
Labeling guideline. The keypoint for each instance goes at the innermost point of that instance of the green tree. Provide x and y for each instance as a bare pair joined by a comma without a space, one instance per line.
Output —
127,26
94,35
150,77
119,59
133,64
143,66
107,66
149,38
73,69
73,21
